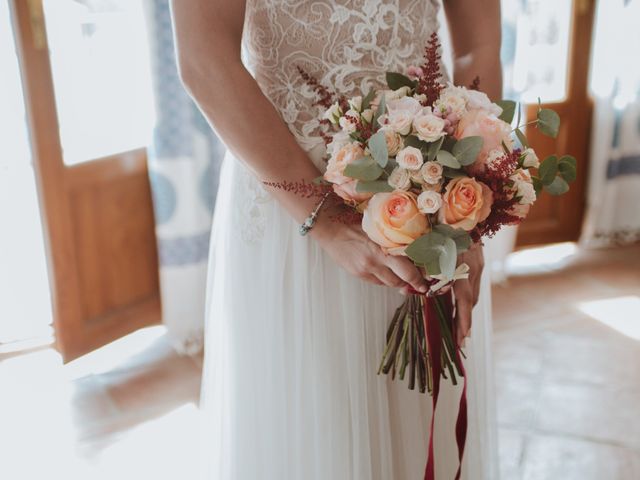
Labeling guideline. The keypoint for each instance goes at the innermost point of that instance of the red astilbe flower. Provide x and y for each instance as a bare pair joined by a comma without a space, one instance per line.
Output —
429,83
496,177
301,188
326,97
364,130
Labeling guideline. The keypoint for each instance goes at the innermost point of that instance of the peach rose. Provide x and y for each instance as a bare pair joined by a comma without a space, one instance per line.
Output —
492,130
393,221
345,186
466,202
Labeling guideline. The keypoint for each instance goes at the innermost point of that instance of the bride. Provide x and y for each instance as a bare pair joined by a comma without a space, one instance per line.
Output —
296,324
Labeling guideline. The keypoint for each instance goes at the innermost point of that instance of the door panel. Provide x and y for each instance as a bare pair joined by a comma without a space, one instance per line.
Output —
551,220
97,213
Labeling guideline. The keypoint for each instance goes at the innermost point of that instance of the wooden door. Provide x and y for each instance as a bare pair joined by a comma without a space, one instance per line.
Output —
551,220
97,212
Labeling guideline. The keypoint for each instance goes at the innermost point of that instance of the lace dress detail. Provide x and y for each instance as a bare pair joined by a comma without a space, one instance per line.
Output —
346,44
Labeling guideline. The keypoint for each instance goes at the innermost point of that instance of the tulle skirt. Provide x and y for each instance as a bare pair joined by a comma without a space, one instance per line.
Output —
290,389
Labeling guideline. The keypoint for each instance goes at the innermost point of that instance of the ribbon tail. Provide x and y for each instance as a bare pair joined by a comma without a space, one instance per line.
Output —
434,339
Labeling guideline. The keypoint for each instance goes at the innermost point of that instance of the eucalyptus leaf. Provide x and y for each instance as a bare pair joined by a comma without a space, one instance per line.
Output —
466,149
426,248
548,169
433,267
571,160
378,148
374,186
413,141
557,187
434,148
567,171
522,137
448,172
548,122
537,184
398,80
382,108
458,235
446,159
508,110
448,258
364,168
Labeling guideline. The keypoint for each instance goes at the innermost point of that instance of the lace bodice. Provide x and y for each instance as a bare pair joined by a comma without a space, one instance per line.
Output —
346,44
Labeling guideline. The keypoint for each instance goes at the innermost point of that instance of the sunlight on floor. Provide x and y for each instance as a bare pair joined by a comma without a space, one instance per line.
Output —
620,313
541,259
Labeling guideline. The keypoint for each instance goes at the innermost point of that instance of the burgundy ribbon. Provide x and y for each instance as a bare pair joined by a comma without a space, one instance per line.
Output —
434,339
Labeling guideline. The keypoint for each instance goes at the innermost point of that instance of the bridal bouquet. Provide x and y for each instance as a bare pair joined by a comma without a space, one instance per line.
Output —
432,168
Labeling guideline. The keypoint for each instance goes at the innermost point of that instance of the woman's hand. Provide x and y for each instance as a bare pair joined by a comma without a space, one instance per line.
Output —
350,248
467,291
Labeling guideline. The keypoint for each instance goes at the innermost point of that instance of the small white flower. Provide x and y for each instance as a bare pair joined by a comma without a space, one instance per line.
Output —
454,100
524,187
402,92
400,179
356,103
530,159
431,173
347,125
428,127
339,140
410,158
429,202
494,155
421,98
333,113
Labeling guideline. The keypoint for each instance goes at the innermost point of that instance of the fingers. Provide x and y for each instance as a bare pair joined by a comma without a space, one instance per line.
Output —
371,279
387,277
464,306
408,272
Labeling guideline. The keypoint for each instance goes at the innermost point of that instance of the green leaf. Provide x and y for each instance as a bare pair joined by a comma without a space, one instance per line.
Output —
366,101
466,149
567,167
523,139
433,149
548,169
458,235
413,141
557,187
382,108
508,110
448,258
397,80
364,168
447,160
427,248
537,184
378,148
433,267
548,122
448,172
374,186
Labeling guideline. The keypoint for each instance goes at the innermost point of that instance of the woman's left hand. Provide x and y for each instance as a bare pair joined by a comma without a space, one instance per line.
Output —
467,291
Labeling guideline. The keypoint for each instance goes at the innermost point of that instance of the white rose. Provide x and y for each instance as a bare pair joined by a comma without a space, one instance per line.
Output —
408,105
347,124
356,103
477,100
530,159
367,115
399,122
428,127
431,173
524,186
410,158
429,202
400,179
394,141
333,113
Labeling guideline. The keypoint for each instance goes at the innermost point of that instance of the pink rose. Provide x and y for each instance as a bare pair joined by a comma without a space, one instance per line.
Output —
466,202
492,130
393,221
410,158
345,186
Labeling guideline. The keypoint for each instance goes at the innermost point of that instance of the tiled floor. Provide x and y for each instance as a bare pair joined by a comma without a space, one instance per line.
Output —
567,348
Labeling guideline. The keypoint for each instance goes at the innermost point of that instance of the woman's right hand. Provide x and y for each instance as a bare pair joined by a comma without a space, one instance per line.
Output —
352,249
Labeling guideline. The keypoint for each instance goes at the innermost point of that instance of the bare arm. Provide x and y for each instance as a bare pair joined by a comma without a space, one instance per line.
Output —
476,38
208,40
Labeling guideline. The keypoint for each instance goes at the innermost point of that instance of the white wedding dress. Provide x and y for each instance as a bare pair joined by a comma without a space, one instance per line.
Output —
293,342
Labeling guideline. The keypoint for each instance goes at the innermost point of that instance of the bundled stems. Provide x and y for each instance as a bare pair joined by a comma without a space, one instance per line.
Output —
406,350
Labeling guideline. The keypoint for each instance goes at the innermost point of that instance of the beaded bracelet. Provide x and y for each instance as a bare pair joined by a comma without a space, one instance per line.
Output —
310,221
